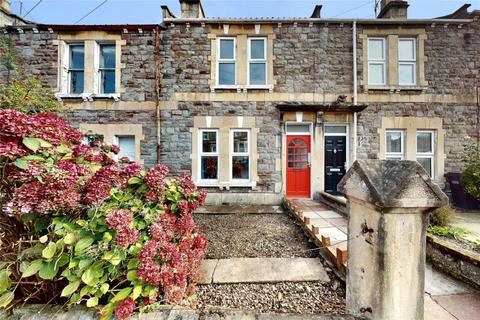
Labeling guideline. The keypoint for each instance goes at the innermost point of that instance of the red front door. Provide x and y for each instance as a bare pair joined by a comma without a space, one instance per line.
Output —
298,166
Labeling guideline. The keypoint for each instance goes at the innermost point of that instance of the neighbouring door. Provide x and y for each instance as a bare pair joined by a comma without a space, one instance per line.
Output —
335,161
298,166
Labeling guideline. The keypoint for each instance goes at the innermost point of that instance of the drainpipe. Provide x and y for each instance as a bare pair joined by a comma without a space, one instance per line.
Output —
158,75
354,28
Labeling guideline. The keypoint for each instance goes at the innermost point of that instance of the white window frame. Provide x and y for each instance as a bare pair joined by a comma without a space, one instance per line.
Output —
220,61
69,46
382,62
345,134
116,141
240,154
411,62
257,61
426,155
208,154
98,69
395,155
305,133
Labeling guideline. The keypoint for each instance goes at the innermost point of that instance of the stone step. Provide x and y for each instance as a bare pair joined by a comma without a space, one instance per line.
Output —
262,270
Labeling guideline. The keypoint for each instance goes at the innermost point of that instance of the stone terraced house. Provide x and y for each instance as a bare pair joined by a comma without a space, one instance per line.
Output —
259,108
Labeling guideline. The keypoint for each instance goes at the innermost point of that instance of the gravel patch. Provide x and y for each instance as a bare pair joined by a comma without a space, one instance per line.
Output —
254,235
285,297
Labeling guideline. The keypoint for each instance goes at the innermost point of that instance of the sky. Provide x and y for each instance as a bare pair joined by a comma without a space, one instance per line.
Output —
149,11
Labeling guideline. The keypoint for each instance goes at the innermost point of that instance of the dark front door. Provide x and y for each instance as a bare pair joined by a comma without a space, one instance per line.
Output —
335,160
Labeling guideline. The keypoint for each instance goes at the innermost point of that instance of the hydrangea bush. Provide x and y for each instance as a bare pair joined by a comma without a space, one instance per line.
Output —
92,229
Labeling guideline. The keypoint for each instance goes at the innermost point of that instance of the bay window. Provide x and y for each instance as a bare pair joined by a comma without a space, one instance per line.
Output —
240,154
209,155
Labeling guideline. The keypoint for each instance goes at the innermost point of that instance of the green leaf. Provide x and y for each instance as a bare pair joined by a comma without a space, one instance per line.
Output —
137,290
134,180
85,290
43,143
84,263
89,277
69,238
92,302
132,264
5,281
122,294
82,244
34,157
6,298
49,250
31,143
132,275
62,260
33,268
70,289
104,288
43,239
48,271
75,298
21,164
63,149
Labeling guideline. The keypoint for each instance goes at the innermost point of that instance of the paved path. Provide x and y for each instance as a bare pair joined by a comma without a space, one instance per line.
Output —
469,221
262,270
445,297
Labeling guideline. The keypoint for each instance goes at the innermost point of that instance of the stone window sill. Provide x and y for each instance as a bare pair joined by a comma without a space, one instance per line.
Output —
226,185
392,89
87,96
243,88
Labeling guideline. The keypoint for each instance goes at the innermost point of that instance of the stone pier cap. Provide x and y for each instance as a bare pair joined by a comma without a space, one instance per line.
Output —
390,184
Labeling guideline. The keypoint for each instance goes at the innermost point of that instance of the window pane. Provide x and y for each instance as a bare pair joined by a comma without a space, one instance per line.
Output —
298,128
406,49
406,74
257,49
209,141
376,74
107,53
427,164
209,168
77,60
257,73
424,142
240,141
393,158
394,142
336,129
127,147
240,167
226,49
226,73
375,49
76,81
108,81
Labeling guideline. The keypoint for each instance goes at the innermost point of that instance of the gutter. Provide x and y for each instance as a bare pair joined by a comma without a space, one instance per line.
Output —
319,21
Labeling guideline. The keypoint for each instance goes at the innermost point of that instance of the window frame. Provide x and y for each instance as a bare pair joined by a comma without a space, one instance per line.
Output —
101,89
69,46
240,154
427,155
226,61
411,62
250,60
117,142
395,155
382,62
201,154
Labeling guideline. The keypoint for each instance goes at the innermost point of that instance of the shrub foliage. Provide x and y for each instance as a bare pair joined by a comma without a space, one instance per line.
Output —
470,178
80,226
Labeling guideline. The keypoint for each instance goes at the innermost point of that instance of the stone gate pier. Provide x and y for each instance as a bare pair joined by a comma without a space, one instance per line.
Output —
389,203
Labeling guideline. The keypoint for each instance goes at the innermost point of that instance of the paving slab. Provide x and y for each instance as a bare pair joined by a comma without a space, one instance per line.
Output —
338,222
207,269
438,283
461,306
320,222
433,311
334,233
269,270
328,214
469,221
